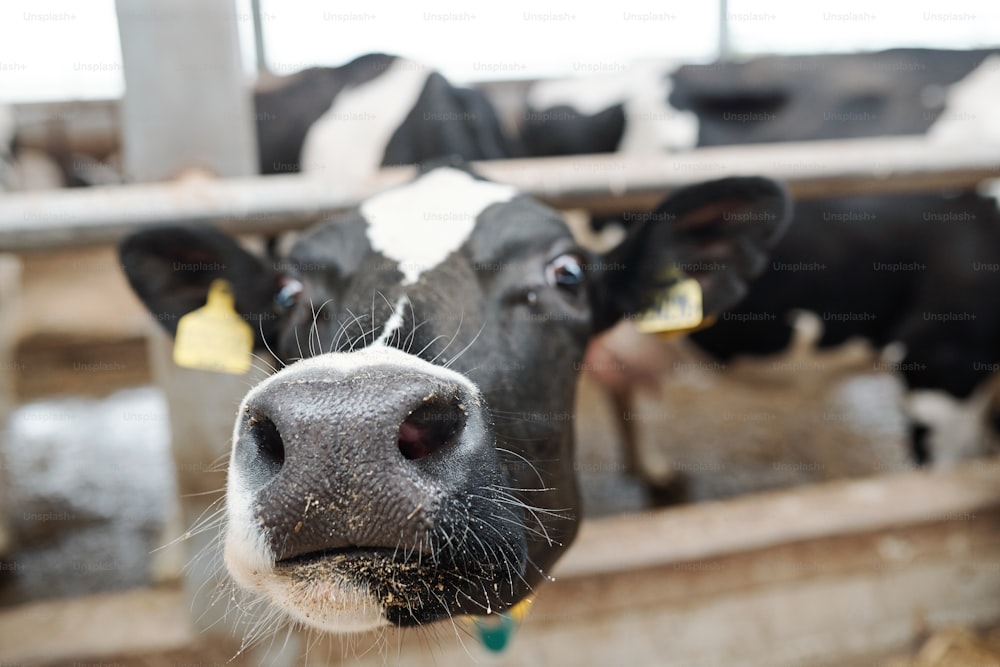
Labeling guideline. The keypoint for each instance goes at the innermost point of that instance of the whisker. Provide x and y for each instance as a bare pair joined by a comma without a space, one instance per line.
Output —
562,513
458,329
314,328
262,370
527,462
298,343
392,310
425,347
364,333
267,346
210,518
466,348
344,326
374,326
408,343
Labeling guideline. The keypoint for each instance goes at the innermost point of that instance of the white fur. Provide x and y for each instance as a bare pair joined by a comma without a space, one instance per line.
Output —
970,116
651,124
394,322
957,430
970,113
419,224
347,144
587,94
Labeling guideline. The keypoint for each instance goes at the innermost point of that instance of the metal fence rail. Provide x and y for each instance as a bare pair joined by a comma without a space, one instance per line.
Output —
599,183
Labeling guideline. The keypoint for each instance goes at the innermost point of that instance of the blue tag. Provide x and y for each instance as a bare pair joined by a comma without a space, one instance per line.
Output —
495,631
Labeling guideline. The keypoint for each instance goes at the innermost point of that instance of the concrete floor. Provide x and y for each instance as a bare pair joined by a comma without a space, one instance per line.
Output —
89,487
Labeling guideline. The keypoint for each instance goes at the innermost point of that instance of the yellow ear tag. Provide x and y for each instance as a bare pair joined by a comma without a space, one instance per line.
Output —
677,310
214,337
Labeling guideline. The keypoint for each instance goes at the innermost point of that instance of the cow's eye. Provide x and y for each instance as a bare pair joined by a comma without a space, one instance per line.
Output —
288,293
566,271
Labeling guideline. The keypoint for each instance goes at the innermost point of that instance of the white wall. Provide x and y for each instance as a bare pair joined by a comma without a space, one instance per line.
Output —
59,49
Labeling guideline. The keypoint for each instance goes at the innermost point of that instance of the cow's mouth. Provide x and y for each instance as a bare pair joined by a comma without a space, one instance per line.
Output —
333,557
413,588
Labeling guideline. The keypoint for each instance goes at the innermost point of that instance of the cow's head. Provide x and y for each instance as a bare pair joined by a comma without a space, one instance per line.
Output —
415,461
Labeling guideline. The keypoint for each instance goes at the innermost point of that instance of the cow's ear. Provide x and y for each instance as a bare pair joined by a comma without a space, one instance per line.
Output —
719,233
171,269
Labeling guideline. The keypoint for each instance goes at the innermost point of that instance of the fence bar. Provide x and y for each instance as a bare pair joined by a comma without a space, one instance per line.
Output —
600,183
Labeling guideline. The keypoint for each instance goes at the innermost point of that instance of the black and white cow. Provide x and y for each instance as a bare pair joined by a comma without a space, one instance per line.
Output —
418,463
919,273
916,270
655,108
377,110
343,122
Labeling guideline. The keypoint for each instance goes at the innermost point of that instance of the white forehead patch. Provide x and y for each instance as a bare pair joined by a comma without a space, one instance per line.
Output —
419,224
394,322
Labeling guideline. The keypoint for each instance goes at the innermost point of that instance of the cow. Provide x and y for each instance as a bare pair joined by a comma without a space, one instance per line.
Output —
656,107
915,275
895,269
412,459
379,110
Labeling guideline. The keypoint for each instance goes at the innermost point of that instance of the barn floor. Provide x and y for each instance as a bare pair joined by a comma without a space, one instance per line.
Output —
91,482
954,648
950,648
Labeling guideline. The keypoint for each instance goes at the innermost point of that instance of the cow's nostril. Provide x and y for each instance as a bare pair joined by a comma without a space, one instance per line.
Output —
429,428
270,448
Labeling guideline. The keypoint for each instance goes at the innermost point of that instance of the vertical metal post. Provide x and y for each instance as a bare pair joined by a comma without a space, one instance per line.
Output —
187,106
258,38
187,103
725,45
10,289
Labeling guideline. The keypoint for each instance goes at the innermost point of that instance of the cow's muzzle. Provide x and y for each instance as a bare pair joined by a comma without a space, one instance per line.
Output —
380,468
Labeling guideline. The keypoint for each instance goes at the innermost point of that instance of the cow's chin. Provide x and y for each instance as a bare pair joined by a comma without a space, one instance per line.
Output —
359,589
313,592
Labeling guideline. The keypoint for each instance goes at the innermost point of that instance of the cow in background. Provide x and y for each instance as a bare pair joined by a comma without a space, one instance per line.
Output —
657,107
916,275
344,122
377,110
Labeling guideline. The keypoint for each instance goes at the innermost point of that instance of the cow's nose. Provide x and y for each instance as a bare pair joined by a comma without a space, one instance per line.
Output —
431,423
334,459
